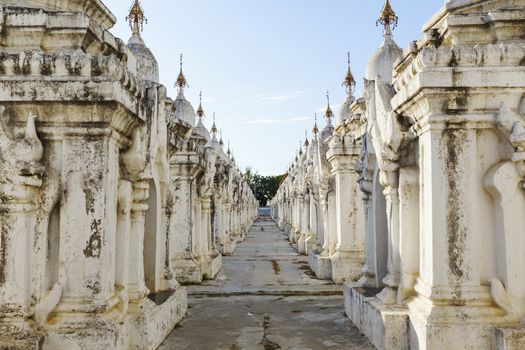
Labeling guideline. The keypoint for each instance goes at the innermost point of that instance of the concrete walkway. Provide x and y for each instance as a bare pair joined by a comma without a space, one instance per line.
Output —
265,298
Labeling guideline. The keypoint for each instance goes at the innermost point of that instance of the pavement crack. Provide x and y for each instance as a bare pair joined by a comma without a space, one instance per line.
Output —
266,343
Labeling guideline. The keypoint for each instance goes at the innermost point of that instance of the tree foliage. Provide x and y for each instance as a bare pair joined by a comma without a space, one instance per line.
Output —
264,187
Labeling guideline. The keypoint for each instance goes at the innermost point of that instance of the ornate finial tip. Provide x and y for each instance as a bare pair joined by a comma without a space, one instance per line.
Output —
329,113
136,17
181,82
388,17
200,111
349,83
315,130
214,126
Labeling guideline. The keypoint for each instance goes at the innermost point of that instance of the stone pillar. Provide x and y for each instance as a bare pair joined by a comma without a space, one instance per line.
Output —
227,243
368,270
211,261
317,246
323,263
389,179
294,208
313,216
349,257
207,234
326,220
408,231
183,263
332,222
229,218
196,232
305,223
450,268
88,220
136,284
203,232
19,191
217,219
123,238
17,213
372,216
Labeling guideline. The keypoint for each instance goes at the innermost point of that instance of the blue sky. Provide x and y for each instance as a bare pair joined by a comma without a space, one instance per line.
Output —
265,65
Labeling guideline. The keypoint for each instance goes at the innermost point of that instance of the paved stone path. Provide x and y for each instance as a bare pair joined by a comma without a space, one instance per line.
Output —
265,298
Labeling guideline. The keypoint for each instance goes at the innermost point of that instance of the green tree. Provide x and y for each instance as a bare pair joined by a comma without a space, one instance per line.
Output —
264,187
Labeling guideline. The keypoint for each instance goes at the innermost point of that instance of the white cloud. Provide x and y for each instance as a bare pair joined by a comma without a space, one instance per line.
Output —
277,97
277,121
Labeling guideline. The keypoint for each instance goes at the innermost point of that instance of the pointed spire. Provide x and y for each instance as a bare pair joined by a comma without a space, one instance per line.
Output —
200,110
315,130
306,141
300,148
349,82
221,142
329,115
214,126
388,19
229,152
136,18
181,83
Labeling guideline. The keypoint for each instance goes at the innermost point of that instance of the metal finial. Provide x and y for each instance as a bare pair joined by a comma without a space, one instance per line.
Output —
136,18
306,141
181,80
315,129
200,110
214,126
328,114
349,82
388,18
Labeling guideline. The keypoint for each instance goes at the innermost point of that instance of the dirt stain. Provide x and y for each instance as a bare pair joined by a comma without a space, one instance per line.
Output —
276,267
307,270
266,343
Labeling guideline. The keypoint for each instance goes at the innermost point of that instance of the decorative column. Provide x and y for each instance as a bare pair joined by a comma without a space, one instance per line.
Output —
123,241
323,263
204,233
182,169
409,228
19,190
90,164
312,223
136,284
349,257
389,179
305,222
228,245
217,219
317,222
366,168
368,277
